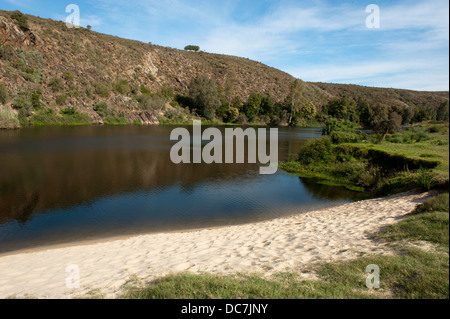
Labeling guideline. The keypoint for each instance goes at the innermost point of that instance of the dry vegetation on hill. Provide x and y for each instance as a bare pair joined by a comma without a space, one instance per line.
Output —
49,72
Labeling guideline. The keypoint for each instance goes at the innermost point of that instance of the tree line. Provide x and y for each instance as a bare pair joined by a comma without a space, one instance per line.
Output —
208,100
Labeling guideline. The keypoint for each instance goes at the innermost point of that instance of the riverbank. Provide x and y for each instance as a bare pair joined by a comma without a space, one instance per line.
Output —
293,243
412,159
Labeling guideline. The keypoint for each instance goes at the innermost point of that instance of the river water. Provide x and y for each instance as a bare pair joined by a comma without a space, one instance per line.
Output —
66,184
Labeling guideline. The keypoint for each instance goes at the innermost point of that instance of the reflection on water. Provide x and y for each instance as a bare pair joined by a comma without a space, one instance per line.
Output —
65,184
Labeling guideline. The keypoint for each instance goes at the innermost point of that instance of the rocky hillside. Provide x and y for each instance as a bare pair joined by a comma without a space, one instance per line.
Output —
47,66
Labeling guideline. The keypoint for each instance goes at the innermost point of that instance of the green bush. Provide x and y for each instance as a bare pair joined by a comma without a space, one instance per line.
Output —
69,111
56,84
67,75
194,48
425,179
21,103
436,204
8,119
316,150
61,99
339,137
4,96
102,109
151,102
101,89
396,138
21,19
359,173
122,87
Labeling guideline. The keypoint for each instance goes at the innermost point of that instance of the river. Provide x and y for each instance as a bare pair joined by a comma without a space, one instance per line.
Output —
69,184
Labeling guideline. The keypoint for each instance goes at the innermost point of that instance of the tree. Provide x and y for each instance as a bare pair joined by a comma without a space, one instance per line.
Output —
4,96
230,86
443,112
407,116
364,112
236,102
295,97
420,115
253,106
233,114
89,27
267,106
194,48
308,111
385,121
341,108
203,92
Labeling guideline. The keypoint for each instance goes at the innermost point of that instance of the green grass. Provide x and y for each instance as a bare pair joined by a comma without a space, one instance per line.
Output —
319,175
435,147
412,274
429,222
51,119
378,168
8,119
116,120
415,274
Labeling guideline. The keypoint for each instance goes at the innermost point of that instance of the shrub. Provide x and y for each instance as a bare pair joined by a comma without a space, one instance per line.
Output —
317,150
67,75
4,96
21,19
434,129
101,89
338,137
147,102
102,109
8,119
359,173
21,103
233,114
61,99
436,204
69,111
122,87
396,138
145,91
425,179
56,84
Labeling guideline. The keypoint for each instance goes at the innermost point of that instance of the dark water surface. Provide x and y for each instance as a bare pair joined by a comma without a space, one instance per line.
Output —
65,184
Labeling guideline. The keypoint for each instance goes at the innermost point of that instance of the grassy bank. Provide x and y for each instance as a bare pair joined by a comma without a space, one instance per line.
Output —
413,273
414,159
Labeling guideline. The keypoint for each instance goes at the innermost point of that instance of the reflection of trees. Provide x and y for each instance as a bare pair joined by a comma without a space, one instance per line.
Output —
46,178
68,179
330,192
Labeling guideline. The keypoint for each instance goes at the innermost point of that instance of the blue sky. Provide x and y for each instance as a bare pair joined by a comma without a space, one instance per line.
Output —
315,40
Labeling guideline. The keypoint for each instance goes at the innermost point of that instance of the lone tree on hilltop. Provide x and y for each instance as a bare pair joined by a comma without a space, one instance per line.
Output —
194,48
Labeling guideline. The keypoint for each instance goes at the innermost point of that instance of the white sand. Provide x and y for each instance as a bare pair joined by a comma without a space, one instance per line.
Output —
291,243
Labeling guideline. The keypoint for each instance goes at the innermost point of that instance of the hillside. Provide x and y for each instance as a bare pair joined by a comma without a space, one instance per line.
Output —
46,68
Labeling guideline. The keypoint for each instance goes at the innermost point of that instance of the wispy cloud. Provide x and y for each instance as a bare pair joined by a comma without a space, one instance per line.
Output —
316,40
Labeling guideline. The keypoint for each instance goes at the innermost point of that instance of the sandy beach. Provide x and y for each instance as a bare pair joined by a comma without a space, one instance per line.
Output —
290,243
